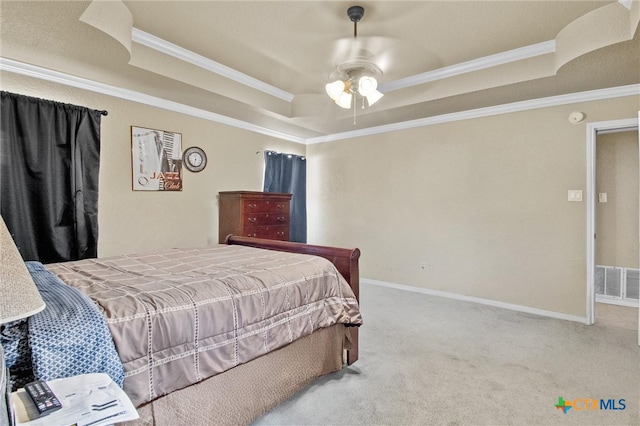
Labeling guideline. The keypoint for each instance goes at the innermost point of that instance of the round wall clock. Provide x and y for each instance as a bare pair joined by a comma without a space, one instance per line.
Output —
194,159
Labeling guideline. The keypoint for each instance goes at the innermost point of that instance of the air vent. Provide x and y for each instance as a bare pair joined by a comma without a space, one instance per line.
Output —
632,284
620,286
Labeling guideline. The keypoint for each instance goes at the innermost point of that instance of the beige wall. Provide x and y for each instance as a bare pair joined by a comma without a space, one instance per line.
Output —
482,202
617,170
133,221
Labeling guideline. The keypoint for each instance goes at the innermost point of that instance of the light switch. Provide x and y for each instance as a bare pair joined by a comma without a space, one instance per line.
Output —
575,195
602,197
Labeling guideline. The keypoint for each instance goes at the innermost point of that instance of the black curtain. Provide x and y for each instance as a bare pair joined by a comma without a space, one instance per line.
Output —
287,173
49,163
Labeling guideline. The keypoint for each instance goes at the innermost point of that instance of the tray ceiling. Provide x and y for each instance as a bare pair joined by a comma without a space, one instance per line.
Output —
265,63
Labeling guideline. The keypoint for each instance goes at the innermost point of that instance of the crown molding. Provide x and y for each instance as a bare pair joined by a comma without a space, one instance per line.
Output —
131,95
592,95
178,52
502,58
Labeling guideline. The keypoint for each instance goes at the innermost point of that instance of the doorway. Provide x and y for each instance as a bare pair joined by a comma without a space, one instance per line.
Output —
594,198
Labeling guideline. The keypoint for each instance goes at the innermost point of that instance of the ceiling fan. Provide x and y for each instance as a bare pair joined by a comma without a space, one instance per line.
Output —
357,74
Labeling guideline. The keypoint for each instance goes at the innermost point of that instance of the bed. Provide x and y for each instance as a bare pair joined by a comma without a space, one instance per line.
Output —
291,314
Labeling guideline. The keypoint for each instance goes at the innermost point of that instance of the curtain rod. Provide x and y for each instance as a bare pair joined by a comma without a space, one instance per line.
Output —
17,95
269,152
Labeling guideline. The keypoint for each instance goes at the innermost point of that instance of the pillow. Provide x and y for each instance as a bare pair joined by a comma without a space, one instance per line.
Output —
70,336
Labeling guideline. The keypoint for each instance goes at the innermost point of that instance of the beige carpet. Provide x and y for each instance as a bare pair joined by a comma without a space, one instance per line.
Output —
430,360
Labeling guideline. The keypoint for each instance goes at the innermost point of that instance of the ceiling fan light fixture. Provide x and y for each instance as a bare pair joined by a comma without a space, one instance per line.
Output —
344,100
356,76
335,89
374,97
367,85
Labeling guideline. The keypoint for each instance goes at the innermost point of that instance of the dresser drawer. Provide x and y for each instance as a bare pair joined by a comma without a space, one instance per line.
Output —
254,214
265,219
264,206
269,232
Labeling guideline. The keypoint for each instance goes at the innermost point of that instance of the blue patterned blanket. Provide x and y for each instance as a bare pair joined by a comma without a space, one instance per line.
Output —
70,336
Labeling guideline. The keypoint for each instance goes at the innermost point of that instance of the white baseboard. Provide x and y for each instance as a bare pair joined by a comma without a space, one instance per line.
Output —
489,302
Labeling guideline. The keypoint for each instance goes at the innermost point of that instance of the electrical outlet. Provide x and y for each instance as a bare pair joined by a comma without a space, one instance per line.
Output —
574,195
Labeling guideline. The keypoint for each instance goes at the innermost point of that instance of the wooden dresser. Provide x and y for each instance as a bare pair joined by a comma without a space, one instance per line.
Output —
254,214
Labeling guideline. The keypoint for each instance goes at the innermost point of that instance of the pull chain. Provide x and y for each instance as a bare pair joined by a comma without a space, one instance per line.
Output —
355,98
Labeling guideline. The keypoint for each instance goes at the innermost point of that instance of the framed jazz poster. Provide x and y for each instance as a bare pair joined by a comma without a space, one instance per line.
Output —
156,158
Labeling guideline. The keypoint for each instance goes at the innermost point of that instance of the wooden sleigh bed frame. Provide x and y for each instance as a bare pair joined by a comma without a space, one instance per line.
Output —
320,335
246,392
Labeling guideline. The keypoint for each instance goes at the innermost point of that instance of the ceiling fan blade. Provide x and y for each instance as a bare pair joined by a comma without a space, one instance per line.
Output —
346,48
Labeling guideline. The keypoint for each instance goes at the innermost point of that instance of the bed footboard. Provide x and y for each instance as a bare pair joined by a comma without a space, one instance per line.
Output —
345,261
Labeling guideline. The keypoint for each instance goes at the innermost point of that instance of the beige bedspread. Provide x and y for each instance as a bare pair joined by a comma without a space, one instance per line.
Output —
180,316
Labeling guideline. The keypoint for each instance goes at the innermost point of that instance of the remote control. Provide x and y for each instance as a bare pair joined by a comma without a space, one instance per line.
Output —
44,399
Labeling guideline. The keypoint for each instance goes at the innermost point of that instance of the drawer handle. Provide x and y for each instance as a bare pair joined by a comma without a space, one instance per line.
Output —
281,219
281,206
253,220
253,206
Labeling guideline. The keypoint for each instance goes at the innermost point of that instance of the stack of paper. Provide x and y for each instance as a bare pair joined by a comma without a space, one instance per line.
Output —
87,400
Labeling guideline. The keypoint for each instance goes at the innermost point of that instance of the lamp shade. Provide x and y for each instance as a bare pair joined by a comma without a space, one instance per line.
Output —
367,85
334,89
373,97
344,100
19,297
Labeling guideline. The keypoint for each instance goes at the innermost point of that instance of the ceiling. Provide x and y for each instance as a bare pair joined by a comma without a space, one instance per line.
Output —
264,64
